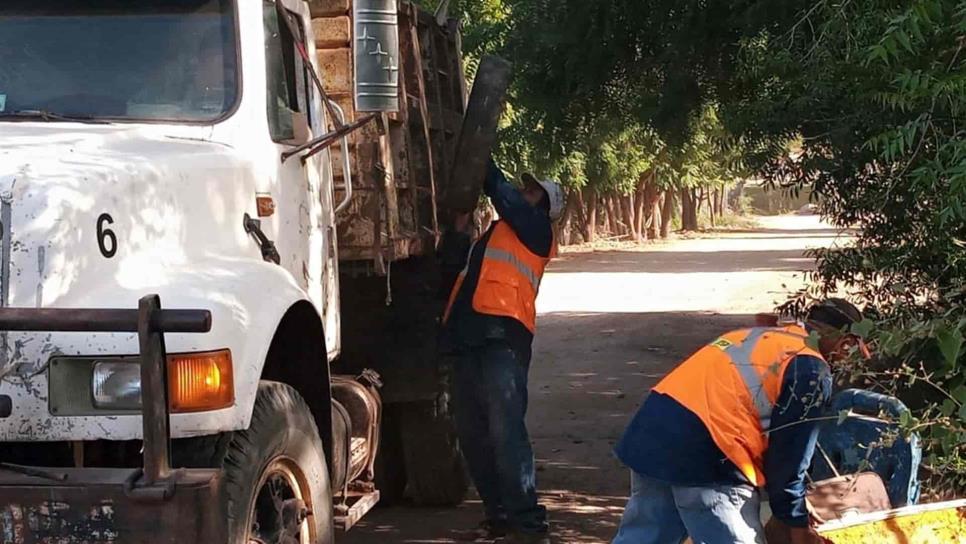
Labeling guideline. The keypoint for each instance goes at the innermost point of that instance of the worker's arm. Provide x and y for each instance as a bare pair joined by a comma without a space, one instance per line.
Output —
806,388
531,225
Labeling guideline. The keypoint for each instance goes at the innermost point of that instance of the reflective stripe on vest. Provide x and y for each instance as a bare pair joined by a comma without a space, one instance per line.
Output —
733,384
509,278
740,355
522,268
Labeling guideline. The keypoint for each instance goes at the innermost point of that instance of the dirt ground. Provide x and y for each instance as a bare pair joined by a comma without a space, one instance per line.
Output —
611,324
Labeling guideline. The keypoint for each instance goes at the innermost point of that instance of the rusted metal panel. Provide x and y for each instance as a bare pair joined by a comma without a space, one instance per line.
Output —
332,32
94,506
358,224
399,162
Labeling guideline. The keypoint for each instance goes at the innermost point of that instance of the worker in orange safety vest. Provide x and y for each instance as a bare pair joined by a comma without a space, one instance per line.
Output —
737,416
489,323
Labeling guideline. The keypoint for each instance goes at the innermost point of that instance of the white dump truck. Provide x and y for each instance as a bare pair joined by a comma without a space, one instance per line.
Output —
219,285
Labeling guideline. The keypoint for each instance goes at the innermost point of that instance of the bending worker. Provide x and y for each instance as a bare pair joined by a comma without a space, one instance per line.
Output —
490,320
738,415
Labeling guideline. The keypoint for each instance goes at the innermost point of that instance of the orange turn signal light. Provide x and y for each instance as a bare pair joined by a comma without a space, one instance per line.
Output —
199,382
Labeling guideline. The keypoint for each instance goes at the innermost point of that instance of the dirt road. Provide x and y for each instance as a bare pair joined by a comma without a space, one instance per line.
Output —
611,324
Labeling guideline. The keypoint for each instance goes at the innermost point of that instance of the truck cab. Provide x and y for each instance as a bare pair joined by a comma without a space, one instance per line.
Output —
219,290
164,147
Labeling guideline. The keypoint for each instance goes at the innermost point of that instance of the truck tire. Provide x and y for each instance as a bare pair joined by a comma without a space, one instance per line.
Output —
478,134
435,475
274,471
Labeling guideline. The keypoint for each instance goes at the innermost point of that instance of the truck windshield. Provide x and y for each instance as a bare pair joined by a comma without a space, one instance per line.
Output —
153,60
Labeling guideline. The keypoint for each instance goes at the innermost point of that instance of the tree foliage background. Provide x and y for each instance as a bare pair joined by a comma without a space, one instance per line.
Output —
876,92
862,101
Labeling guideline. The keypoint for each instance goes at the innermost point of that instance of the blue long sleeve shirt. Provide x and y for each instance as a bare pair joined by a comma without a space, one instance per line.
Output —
667,442
530,223
467,327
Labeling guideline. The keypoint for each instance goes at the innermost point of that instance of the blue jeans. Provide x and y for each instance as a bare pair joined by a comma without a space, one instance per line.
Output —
490,396
659,513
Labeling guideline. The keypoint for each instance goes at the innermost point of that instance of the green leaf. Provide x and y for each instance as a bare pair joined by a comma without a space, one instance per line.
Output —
947,408
962,413
950,342
904,40
959,393
862,328
905,417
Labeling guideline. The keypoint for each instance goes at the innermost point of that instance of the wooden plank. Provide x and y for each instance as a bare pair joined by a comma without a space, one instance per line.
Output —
323,8
430,61
332,32
454,29
336,70
360,505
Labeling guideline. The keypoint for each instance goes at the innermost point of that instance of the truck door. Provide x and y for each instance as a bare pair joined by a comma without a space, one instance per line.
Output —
305,220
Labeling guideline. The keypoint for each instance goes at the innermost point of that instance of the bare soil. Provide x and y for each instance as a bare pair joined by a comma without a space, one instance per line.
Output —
611,324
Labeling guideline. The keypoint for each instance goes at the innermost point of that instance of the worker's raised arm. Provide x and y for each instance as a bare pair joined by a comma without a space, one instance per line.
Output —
806,388
531,224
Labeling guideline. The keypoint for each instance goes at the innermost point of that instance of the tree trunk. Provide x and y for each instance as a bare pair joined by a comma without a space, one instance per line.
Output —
629,205
612,224
651,198
590,222
711,205
580,215
735,197
641,217
564,226
689,210
667,213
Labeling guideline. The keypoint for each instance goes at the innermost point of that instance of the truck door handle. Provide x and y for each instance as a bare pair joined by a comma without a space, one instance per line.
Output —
253,227
346,163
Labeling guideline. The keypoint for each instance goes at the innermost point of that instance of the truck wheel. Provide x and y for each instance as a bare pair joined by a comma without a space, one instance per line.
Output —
275,476
435,475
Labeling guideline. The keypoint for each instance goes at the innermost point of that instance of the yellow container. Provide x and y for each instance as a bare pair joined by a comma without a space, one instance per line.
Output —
938,523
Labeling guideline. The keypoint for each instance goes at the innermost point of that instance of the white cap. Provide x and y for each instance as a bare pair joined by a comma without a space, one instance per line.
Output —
555,194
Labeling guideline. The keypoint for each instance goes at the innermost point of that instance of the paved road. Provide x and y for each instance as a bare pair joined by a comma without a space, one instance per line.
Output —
611,324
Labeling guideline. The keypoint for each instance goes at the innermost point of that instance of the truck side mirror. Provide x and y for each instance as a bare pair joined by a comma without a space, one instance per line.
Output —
376,55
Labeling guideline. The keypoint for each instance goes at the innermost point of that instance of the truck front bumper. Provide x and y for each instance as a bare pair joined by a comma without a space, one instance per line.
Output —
105,506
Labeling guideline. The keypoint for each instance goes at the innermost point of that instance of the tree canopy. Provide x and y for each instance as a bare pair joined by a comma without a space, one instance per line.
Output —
862,101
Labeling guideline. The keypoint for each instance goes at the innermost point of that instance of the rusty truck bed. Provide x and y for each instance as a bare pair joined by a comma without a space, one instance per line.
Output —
401,162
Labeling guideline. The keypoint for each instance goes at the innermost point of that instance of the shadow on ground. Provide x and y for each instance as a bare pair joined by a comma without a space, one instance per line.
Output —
590,372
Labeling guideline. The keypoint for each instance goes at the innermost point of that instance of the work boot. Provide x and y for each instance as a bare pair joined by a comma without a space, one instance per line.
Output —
520,537
486,531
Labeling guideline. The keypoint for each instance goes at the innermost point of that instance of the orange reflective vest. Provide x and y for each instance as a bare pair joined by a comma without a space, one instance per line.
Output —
733,384
509,278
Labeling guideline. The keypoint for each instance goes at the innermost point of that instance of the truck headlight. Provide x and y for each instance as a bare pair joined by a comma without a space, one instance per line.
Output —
196,382
116,386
